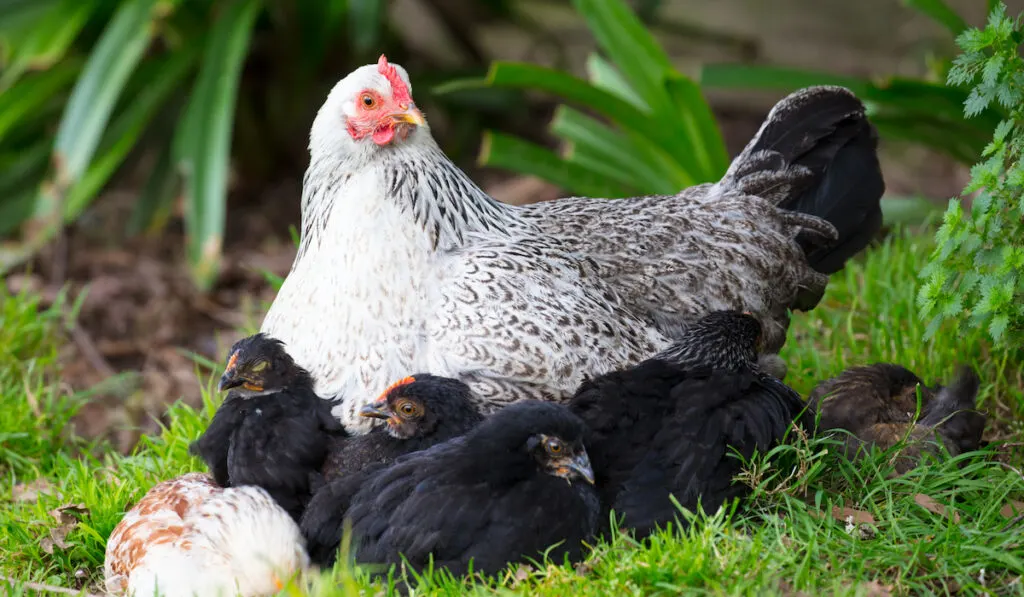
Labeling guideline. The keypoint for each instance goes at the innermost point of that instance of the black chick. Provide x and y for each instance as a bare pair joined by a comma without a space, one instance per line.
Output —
514,486
878,405
272,430
669,426
419,411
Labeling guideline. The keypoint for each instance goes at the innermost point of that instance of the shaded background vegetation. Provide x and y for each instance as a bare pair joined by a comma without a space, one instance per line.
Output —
151,151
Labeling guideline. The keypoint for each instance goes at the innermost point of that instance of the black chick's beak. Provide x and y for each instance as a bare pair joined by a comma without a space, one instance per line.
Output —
374,411
580,464
229,380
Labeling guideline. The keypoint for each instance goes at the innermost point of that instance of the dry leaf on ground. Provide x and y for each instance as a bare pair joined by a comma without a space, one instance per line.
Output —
844,514
67,517
928,503
30,492
876,589
1012,508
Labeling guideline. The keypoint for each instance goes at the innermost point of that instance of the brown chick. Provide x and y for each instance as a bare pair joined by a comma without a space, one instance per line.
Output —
878,405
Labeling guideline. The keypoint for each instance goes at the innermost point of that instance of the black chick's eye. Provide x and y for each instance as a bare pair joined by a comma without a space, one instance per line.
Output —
554,447
408,409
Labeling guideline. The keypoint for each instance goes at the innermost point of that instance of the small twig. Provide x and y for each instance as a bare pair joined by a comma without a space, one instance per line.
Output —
88,349
36,586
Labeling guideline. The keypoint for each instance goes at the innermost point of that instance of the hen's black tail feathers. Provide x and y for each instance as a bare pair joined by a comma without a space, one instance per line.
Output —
816,154
953,411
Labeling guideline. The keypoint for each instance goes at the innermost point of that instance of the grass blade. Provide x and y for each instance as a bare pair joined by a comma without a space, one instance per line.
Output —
512,153
97,90
202,146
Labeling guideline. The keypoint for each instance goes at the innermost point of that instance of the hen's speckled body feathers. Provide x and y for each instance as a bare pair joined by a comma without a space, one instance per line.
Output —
406,265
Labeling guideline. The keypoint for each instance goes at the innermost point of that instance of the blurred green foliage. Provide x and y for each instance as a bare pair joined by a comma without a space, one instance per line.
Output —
88,85
976,273
657,134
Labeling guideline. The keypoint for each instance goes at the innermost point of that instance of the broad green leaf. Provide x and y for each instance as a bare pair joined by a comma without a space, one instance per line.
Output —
941,13
952,139
746,76
634,160
511,153
631,47
605,76
701,127
127,127
600,169
202,145
21,100
578,91
97,90
44,40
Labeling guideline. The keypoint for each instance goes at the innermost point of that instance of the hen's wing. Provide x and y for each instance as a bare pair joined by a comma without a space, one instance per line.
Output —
525,318
676,256
801,198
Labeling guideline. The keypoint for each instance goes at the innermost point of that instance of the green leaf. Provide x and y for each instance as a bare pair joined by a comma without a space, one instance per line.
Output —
605,76
576,90
92,100
511,153
637,162
707,146
43,38
202,144
630,46
941,13
746,76
127,127
20,101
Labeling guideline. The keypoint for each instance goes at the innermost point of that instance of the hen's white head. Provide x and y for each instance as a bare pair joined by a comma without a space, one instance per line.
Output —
369,111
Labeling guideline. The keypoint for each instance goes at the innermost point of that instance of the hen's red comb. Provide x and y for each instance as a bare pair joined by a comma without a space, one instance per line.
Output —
399,90
402,382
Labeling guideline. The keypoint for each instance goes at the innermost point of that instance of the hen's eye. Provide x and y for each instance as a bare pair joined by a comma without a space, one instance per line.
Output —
554,446
368,100
260,366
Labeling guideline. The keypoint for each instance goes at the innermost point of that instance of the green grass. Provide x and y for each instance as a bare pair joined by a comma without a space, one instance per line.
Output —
785,540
